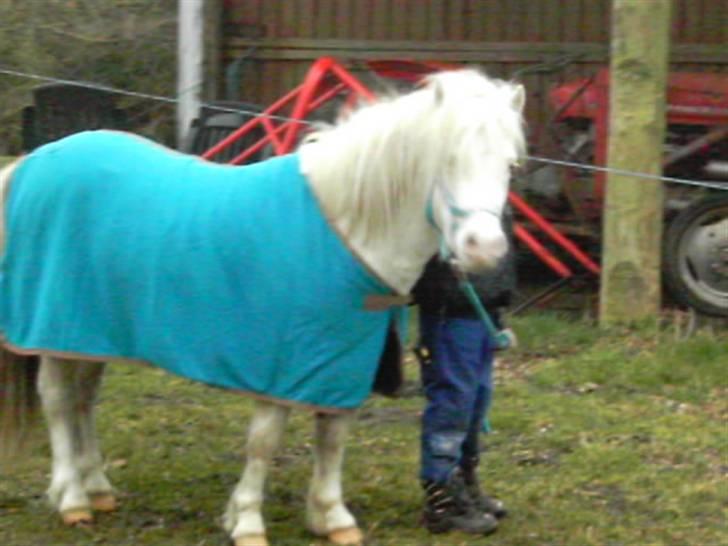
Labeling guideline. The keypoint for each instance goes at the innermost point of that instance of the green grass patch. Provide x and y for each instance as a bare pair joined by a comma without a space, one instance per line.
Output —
601,437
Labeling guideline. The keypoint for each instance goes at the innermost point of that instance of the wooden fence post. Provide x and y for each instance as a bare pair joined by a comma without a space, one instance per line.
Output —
632,230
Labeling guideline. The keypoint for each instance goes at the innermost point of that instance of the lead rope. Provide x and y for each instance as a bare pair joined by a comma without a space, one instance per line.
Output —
501,339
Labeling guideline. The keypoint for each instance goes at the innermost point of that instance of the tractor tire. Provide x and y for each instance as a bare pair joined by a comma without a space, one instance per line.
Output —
695,256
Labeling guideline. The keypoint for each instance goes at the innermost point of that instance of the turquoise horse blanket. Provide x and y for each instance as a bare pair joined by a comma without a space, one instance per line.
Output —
117,247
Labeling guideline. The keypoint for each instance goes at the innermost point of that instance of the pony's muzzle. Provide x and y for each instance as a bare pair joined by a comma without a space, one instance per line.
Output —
481,246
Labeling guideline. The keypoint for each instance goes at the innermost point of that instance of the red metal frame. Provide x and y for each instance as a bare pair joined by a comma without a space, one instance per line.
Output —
326,79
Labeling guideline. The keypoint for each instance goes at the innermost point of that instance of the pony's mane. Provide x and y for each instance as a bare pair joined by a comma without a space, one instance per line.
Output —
367,165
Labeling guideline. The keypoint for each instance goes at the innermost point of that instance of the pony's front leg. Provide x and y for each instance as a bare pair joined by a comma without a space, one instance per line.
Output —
325,510
59,396
243,519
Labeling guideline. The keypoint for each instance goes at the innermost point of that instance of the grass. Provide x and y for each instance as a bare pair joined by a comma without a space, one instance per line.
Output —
613,437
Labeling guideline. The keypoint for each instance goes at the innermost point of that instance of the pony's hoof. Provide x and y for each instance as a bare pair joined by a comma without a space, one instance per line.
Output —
251,540
77,517
103,502
349,536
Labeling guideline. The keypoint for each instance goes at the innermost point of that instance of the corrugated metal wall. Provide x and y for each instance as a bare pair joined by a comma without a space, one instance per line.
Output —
274,42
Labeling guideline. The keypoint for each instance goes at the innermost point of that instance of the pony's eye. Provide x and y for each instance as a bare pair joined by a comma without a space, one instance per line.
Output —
452,164
516,167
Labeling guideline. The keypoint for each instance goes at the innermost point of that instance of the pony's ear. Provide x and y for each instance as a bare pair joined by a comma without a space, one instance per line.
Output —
519,97
438,89
433,83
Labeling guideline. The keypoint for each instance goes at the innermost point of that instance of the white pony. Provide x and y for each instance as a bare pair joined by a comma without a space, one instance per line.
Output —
394,180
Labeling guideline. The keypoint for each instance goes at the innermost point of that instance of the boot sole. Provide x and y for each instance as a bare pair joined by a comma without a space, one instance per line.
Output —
447,527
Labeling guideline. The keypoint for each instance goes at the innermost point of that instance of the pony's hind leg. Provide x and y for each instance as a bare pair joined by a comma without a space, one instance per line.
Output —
95,482
60,399
243,519
325,510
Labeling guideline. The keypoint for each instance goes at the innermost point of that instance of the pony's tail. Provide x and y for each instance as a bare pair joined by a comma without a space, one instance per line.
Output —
19,400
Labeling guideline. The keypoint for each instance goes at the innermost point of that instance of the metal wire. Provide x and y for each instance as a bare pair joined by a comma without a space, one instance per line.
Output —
174,100
136,94
635,174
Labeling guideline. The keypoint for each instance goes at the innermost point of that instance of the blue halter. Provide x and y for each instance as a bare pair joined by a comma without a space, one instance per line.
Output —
500,338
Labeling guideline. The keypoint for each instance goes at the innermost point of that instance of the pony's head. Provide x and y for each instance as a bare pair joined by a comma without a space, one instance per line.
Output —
407,171
480,137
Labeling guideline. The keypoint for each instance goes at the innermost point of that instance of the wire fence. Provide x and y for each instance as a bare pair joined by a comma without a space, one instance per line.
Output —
253,113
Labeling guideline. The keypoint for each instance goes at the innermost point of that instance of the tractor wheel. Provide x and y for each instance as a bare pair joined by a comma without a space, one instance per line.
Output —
695,256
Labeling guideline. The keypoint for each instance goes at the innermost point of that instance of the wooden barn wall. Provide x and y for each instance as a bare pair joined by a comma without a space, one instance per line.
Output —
268,45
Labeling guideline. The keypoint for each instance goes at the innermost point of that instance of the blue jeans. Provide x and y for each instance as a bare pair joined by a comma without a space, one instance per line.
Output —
457,379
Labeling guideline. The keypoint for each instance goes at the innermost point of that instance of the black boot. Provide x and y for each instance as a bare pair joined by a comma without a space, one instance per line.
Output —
448,507
479,498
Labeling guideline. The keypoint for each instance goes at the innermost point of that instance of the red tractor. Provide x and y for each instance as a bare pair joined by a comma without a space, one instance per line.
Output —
695,249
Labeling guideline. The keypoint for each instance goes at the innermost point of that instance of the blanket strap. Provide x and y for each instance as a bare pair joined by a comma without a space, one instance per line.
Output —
382,302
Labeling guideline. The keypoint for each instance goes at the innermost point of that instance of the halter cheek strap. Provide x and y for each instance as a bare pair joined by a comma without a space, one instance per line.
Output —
501,339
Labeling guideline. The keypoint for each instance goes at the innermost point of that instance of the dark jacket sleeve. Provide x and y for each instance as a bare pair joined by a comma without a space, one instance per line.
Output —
438,291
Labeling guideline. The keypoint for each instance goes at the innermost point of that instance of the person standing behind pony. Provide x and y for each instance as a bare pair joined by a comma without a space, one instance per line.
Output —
456,353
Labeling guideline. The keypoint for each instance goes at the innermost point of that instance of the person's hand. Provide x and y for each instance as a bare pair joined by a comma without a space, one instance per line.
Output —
511,337
506,340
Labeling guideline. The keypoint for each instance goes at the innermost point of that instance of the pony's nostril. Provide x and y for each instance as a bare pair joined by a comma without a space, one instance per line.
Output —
475,243
480,247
